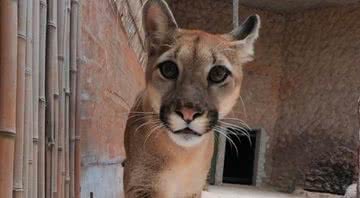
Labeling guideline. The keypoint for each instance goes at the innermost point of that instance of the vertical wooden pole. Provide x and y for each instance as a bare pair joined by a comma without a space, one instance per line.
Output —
36,56
20,96
61,21
8,73
77,138
73,89
76,6
28,119
52,95
42,100
67,99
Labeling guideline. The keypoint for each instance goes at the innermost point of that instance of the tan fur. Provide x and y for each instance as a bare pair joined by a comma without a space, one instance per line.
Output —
157,166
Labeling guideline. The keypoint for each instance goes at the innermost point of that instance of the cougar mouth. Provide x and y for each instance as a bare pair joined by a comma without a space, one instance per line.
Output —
187,131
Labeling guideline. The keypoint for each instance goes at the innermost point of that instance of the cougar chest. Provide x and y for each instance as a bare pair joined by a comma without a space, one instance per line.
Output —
186,173
183,180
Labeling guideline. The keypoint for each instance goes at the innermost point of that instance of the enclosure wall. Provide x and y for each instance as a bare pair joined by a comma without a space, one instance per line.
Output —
111,52
316,132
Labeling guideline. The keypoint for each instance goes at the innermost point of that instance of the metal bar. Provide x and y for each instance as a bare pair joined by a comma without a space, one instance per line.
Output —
235,13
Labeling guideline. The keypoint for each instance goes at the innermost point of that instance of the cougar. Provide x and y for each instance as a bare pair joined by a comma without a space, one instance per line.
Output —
193,80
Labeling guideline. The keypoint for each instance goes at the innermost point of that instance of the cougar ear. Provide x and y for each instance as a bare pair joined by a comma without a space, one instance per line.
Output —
244,37
159,23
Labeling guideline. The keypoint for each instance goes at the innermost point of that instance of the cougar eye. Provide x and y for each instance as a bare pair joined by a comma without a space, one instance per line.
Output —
169,70
218,74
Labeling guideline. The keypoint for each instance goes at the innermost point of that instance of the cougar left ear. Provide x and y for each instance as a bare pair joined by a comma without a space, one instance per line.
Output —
249,30
244,37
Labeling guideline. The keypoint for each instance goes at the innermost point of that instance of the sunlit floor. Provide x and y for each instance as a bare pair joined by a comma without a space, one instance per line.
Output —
239,191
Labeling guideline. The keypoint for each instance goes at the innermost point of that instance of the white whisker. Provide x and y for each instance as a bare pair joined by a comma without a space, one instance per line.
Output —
243,124
244,131
146,123
153,130
231,132
243,104
220,131
140,116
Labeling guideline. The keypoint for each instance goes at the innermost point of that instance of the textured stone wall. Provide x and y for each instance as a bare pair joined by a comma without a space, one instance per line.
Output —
316,132
110,78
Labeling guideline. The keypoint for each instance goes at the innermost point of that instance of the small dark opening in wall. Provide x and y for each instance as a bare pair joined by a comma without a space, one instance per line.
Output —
91,195
239,167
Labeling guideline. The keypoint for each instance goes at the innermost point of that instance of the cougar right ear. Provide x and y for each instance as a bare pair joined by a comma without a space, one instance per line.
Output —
159,23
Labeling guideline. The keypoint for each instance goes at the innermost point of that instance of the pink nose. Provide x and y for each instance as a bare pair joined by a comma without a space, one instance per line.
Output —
188,114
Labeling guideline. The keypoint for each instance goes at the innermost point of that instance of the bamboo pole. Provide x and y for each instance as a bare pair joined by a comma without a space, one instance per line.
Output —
73,89
36,56
76,6
28,119
52,95
61,127
8,73
67,139
42,100
20,93
67,99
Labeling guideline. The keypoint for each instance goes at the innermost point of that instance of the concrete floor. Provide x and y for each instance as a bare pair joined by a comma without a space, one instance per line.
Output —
239,191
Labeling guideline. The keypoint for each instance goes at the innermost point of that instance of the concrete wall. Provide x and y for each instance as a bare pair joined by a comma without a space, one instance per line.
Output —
110,77
301,88
316,132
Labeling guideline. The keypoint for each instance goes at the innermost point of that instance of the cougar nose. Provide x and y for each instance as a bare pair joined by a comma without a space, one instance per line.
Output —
188,114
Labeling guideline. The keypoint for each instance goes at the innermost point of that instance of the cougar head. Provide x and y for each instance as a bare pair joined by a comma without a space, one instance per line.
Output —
193,78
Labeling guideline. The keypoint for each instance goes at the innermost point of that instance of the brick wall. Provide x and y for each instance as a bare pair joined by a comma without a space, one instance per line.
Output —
111,75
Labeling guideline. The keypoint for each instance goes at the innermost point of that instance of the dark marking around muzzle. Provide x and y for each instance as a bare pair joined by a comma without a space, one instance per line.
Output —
192,97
